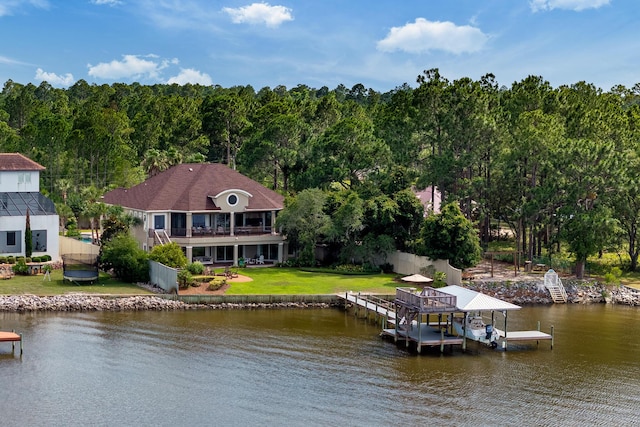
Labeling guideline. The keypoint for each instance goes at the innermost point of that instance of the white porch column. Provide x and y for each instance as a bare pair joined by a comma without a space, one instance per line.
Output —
189,252
235,254
189,223
280,252
232,223
273,223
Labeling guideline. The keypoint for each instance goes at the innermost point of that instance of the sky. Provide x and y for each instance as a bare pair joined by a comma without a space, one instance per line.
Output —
381,44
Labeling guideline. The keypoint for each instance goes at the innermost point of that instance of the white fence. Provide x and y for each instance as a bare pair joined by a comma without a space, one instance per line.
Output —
164,277
407,264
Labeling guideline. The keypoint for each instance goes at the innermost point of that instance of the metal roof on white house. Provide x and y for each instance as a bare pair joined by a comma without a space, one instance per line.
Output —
468,300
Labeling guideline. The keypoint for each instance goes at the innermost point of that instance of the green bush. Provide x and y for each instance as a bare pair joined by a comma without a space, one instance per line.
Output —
28,259
3,259
20,258
349,268
216,284
195,267
185,279
36,259
11,259
45,258
122,255
21,268
170,255
439,279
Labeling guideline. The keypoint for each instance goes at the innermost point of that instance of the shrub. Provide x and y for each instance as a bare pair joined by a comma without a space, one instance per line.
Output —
45,258
170,255
216,284
20,258
386,267
11,259
36,259
185,279
21,268
195,268
439,279
3,259
349,268
613,276
28,259
128,261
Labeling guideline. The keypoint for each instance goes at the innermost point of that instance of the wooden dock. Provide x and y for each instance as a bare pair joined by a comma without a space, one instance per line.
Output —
371,303
536,336
423,335
12,337
414,313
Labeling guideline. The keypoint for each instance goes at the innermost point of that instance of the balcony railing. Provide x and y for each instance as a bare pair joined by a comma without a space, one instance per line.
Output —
221,231
429,300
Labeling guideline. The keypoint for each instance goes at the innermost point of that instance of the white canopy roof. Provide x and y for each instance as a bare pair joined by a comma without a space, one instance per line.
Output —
468,300
417,278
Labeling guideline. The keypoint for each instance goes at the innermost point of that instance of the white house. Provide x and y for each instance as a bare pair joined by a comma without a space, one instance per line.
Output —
19,194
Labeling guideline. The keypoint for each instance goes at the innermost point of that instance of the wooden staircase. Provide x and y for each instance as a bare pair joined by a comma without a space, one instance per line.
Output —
556,289
161,237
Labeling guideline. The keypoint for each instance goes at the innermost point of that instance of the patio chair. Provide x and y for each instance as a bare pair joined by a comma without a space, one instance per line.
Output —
260,260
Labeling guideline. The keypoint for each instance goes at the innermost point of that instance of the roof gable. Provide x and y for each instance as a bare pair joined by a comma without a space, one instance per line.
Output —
190,187
18,162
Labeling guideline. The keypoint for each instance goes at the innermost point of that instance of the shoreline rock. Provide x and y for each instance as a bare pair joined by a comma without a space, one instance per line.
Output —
86,302
578,292
520,293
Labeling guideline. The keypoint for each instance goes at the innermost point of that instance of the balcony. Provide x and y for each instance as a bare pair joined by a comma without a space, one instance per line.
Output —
197,232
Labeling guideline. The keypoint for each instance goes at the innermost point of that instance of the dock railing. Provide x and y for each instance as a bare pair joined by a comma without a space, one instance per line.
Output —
429,300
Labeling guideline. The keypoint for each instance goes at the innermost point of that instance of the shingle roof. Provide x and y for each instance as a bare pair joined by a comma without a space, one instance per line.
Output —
18,162
187,187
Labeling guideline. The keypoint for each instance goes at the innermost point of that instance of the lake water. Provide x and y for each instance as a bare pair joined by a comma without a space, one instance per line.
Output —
312,367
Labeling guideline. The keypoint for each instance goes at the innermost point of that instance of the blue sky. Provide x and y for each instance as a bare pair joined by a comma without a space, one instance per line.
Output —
379,43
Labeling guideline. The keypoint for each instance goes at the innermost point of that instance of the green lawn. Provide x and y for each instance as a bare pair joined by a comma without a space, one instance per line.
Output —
287,281
266,281
35,285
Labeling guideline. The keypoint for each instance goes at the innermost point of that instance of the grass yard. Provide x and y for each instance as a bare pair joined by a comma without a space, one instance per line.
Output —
266,281
35,285
288,281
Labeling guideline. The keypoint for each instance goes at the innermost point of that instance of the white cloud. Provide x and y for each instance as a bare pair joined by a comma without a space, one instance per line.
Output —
260,13
189,75
54,79
577,5
9,61
131,66
106,2
423,36
8,7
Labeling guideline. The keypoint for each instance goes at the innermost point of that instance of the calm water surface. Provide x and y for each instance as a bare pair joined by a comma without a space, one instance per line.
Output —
312,367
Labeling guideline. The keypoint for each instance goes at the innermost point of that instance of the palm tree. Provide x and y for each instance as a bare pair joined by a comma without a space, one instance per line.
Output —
155,161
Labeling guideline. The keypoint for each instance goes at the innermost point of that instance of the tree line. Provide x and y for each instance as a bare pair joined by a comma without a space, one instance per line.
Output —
555,165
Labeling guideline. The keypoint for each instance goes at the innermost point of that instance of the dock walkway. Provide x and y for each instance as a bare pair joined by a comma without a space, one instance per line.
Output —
379,306
11,337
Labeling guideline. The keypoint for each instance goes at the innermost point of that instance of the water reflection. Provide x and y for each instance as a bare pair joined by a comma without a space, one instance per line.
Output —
317,367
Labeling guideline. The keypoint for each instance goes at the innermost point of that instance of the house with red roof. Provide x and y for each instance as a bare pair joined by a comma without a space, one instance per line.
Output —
216,214
20,195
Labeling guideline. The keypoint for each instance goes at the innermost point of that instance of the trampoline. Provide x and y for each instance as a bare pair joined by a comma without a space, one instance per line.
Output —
79,268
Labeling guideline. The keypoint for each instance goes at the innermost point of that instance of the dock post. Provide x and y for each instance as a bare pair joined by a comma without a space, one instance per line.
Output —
538,326
355,311
552,337
441,340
